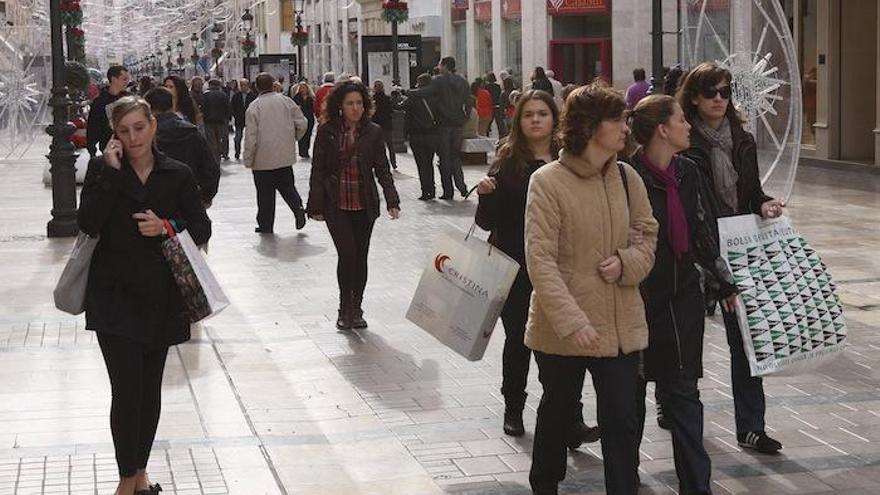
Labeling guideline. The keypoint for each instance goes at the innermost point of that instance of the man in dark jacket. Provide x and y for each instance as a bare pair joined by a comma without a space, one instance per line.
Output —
382,118
421,131
217,111
98,131
447,94
240,103
183,142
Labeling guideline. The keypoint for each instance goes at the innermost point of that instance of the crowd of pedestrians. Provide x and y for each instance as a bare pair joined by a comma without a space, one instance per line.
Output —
608,201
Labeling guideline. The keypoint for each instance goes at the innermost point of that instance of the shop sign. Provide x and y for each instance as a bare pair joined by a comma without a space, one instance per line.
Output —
578,7
511,9
483,11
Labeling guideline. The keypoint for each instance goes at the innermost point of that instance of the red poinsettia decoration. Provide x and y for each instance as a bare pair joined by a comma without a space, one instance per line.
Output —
76,32
300,37
395,11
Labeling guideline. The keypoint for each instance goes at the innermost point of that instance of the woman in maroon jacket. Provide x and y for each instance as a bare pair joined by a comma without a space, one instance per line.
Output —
501,210
349,156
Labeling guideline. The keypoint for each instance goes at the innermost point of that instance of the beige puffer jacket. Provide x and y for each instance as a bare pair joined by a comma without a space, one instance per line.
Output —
577,216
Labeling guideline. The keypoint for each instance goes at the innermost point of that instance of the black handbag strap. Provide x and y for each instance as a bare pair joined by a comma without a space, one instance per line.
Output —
625,180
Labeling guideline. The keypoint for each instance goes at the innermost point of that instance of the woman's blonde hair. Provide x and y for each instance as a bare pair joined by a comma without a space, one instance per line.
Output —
126,105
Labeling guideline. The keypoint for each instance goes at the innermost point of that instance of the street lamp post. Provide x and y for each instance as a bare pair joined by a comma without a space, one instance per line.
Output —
657,46
247,22
61,152
395,63
299,47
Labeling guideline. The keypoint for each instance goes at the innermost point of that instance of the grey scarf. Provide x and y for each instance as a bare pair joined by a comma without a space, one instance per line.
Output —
723,170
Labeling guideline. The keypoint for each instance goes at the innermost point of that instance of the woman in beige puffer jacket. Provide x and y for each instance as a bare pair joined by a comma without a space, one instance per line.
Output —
586,311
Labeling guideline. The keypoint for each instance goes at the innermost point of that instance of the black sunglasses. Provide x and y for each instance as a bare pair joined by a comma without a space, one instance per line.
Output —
709,93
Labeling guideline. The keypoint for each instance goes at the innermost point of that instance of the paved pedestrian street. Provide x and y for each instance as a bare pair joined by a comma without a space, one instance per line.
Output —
269,398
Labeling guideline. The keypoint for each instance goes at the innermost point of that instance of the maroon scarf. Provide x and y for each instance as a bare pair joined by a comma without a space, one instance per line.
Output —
677,221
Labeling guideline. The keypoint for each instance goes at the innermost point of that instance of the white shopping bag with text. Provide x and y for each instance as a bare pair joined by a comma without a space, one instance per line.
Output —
462,292
789,314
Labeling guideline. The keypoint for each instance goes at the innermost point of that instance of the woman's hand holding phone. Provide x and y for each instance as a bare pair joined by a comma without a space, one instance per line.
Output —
113,153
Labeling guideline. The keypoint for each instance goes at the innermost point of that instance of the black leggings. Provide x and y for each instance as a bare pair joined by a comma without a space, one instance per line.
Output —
136,381
351,232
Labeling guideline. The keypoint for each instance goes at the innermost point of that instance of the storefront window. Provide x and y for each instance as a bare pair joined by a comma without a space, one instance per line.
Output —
513,34
484,48
809,68
460,47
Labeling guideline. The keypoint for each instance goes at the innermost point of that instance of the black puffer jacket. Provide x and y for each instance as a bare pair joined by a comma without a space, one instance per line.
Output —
131,292
216,107
673,298
183,142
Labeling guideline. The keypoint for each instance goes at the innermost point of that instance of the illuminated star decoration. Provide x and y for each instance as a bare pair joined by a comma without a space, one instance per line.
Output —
755,87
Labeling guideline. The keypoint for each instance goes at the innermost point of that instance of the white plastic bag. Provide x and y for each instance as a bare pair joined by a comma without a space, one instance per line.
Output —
462,292
789,314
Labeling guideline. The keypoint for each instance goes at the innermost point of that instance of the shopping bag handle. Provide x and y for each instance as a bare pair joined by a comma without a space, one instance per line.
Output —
471,233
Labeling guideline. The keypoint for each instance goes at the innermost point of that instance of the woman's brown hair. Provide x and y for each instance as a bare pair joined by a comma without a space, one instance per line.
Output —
515,151
332,114
126,105
585,109
704,76
648,114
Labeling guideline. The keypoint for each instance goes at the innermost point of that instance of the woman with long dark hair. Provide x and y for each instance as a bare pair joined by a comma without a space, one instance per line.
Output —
531,143
586,311
349,157
305,98
134,197
183,103
672,293
541,81
727,154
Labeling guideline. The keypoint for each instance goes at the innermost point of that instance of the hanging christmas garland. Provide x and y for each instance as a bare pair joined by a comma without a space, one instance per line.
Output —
76,44
300,37
71,13
395,11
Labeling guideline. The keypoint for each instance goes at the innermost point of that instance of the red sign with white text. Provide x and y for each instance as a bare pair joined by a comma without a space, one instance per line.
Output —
578,7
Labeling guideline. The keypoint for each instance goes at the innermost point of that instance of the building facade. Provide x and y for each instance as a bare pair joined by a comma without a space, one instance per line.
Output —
578,39
838,45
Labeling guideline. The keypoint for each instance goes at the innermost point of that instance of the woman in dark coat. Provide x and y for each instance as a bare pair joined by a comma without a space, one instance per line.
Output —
349,157
305,98
133,197
672,293
383,116
501,210
183,102
727,155
540,81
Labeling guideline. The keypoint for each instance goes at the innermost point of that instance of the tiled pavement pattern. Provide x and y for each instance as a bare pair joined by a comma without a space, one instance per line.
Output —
270,398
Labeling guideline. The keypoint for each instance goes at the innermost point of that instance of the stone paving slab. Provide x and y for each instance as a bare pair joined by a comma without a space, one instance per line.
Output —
269,398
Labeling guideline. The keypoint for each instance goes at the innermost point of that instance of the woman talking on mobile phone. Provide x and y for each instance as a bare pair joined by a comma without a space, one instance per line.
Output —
133,198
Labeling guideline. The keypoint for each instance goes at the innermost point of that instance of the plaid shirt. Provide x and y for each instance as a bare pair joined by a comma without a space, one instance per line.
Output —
350,180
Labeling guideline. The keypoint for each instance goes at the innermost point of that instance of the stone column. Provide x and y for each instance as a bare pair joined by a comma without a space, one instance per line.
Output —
535,37
828,87
447,41
273,26
499,39
473,54
877,116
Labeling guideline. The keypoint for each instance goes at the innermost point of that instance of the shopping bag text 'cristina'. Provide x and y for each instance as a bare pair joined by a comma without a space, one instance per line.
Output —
443,264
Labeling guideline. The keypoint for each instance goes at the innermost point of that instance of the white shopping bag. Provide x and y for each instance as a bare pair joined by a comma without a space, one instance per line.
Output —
462,292
202,294
788,310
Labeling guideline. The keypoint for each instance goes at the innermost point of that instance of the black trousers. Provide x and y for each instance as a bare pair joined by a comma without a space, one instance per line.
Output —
351,232
305,144
136,383
516,357
239,133
215,133
267,182
748,391
224,146
449,151
387,134
680,400
616,383
424,147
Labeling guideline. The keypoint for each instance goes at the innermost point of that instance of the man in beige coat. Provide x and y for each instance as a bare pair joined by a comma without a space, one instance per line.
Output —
273,126
586,311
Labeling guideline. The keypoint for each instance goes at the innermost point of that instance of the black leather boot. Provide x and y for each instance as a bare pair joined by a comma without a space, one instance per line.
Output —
343,322
581,433
357,313
513,415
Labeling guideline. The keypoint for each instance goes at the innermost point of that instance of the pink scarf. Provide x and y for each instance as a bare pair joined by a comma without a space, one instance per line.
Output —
677,221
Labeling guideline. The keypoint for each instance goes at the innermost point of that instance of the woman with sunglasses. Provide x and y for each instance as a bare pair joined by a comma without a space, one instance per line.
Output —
727,155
